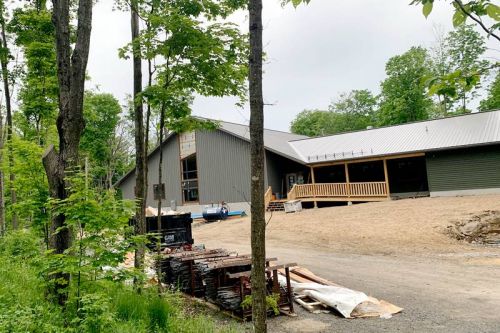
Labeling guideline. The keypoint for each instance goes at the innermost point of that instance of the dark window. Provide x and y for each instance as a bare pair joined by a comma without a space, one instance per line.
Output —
189,179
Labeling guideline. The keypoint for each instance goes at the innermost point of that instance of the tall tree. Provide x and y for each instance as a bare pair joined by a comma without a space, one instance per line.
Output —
312,123
354,110
71,67
258,224
403,96
4,63
102,115
38,96
492,100
140,149
2,202
466,46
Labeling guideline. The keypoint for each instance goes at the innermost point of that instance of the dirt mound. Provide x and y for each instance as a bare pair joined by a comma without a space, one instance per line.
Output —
483,228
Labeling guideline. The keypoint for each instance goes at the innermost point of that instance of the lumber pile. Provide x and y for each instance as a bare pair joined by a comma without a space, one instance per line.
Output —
221,277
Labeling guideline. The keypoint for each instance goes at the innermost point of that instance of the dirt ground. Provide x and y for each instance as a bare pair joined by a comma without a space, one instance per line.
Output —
397,250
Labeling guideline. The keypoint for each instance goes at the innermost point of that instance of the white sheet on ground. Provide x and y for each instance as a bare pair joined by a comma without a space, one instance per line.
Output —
342,299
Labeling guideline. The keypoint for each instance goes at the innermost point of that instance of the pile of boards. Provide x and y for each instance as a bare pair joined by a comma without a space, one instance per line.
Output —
319,295
222,278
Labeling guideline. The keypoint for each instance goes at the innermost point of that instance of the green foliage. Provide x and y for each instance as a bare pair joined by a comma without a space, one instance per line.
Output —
130,306
474,10
312,123
195,52
271,302
99,221
30,183
158,312
22,299
38,96
458,76
492,100
352,111
20,244
403,96
104,140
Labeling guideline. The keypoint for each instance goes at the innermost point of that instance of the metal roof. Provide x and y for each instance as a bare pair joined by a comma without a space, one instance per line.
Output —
453,132
275,141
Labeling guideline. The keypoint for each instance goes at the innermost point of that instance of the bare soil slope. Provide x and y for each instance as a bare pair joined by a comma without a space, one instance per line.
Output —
410,226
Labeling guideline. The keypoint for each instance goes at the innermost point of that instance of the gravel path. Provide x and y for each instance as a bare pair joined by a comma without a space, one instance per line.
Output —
396,251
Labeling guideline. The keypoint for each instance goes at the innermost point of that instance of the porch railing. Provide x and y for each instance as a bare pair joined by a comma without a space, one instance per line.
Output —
338,190
268,196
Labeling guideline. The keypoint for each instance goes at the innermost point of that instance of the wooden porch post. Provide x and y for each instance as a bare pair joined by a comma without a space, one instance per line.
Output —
348,186
386,175
314,190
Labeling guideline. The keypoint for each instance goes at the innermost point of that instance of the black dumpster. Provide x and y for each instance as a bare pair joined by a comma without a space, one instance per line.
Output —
175,230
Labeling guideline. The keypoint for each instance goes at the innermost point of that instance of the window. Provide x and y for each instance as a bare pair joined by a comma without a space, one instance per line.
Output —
189,179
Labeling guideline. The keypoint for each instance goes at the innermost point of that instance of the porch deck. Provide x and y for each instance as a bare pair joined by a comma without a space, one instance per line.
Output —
368,191
342,192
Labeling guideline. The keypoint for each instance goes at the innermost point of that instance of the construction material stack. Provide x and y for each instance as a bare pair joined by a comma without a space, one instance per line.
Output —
222,278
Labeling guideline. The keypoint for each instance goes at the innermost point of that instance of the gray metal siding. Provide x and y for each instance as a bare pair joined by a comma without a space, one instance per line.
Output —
464,169
223,167
127,187
171,175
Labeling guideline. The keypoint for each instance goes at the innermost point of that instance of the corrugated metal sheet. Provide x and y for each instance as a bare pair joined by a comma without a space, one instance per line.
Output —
223,167
171,172
171,175
275,141
460,131
464,169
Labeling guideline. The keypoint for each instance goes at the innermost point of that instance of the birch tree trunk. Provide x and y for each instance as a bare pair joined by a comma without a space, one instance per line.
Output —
258,225
71,67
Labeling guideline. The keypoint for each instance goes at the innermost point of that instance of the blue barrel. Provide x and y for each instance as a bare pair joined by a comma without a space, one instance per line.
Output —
215,213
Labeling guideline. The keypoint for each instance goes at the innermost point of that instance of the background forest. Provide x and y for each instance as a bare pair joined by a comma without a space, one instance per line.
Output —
422,83
65,232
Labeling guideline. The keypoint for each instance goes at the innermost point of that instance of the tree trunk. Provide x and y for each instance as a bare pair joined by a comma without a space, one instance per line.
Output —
258,224
4,61
71,67
140,158
160,180
2,202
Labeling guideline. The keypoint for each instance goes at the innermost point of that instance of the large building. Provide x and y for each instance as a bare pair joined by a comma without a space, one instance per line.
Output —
450,156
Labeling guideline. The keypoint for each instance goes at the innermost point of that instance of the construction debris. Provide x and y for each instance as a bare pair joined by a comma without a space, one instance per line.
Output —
222,278
316,295
483,228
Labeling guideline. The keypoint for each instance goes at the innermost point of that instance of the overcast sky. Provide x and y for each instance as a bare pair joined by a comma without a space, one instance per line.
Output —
314,52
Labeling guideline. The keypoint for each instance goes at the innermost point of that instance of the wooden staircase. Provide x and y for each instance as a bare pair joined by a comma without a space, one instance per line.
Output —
276,206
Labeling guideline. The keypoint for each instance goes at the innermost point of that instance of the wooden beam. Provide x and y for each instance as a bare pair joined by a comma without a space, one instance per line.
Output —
368,159
386,175
314,182
348,188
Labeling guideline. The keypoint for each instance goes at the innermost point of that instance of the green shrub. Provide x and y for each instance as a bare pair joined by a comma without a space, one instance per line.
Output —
130,306
158,313
22,244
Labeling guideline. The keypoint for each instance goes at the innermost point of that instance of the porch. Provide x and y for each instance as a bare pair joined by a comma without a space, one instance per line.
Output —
375,179
368,191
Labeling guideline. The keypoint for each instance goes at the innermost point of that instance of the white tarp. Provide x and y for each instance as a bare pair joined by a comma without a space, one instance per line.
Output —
342,299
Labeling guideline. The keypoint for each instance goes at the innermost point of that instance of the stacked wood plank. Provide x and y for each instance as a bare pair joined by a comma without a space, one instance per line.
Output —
220,277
